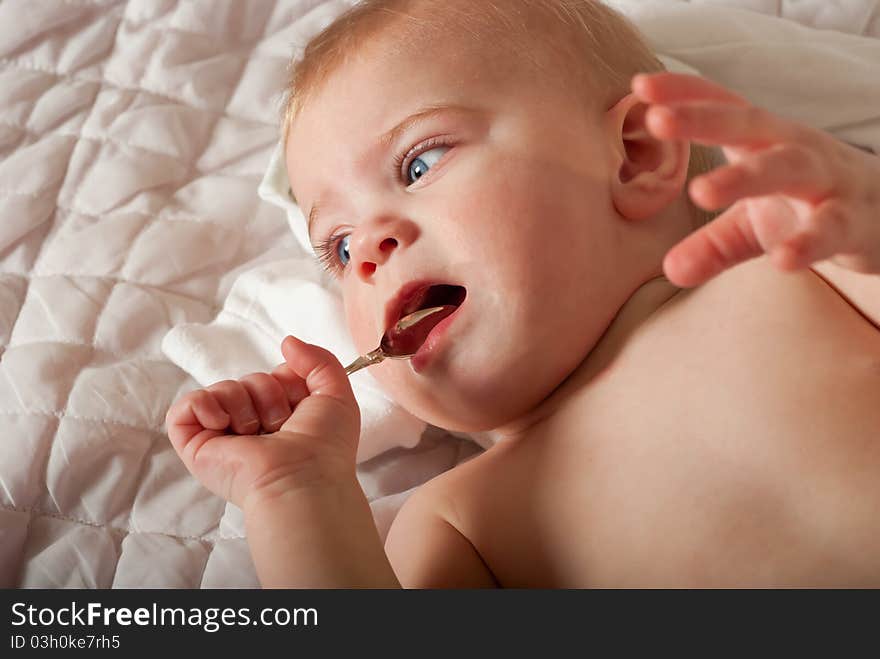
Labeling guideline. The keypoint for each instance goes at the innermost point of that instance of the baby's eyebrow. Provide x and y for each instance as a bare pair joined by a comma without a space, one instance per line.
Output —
312,218
420,116
386,140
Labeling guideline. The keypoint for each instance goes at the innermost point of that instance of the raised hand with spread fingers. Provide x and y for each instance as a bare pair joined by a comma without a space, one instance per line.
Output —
790,191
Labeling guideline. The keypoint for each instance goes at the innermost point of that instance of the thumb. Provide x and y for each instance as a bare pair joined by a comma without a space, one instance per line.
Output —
330,409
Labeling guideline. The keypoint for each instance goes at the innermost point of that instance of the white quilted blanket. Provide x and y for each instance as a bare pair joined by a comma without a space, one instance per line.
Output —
133,135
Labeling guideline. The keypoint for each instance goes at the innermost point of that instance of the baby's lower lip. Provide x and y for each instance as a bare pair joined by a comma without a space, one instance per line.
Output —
433,342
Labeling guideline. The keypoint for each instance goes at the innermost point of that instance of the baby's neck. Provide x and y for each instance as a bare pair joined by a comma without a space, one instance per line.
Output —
649,298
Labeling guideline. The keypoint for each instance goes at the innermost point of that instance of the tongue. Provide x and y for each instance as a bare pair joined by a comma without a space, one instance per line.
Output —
409,340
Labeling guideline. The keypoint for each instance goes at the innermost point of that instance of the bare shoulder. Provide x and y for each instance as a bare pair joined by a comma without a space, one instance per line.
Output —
755,293
428,543
861,291
766,336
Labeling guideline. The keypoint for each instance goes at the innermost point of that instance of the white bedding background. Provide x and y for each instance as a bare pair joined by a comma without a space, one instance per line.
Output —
133,137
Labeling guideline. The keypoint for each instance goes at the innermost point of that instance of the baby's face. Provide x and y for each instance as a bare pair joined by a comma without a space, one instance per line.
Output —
441,167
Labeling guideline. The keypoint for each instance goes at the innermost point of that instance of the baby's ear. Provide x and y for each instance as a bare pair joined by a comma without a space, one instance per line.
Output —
650,173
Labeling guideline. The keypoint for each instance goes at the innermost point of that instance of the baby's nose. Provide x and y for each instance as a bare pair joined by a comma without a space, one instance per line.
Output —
374,244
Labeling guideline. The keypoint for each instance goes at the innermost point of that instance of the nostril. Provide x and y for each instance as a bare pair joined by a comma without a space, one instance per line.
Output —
387,245
368,268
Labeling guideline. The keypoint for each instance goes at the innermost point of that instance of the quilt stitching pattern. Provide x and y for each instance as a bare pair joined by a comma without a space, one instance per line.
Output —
39,264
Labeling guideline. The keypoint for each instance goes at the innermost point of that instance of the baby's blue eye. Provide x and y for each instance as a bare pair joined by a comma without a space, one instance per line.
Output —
342,250
419,166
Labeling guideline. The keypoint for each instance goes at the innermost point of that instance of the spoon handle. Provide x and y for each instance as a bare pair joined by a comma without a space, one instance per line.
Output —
363,361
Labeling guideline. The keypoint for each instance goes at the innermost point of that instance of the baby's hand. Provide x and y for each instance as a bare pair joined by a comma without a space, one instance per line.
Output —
215,430
797,193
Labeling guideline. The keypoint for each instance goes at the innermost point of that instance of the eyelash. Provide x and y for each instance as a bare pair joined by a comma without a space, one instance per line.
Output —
403,160
326,249
326,252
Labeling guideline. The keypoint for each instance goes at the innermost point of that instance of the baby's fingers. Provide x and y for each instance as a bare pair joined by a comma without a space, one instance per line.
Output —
236,401
193,413
330,408
789,169
672,88
269,399
826,234
723,124
726,241
294,386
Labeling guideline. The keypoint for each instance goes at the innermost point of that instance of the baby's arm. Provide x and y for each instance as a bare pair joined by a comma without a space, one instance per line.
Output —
308,521
317,538
428,551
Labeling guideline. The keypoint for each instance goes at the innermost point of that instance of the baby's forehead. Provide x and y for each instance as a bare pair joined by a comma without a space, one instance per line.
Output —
473,36
583,45
433,60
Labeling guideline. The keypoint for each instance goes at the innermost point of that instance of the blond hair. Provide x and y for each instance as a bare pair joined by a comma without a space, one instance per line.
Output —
584,45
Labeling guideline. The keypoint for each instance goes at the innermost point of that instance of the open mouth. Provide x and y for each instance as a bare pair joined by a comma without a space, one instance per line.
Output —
437,295
414,297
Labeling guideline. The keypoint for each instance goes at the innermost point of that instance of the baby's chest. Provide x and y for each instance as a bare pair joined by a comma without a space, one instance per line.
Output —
739,454
734,503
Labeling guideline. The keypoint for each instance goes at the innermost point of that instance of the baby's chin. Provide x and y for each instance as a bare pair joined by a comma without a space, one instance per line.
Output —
463,400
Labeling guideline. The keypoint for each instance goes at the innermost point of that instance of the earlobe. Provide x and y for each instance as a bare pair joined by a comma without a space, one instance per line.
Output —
650,173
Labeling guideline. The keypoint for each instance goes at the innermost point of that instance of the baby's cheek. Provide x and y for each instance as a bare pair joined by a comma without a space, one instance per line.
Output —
361,327
396,379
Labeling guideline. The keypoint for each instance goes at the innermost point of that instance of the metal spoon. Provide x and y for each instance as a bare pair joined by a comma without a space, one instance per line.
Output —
404,339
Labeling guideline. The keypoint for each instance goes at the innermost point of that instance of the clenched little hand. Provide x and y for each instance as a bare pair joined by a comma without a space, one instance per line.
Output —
267,434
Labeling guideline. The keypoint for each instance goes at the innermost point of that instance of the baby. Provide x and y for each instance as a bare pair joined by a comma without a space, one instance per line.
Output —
663,417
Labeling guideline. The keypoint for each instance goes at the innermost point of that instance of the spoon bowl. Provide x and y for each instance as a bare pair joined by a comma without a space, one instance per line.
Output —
404,339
